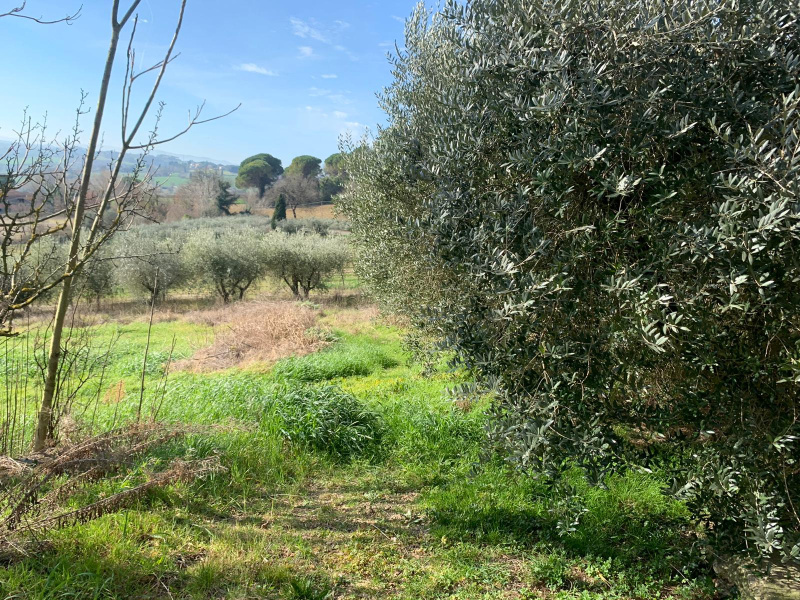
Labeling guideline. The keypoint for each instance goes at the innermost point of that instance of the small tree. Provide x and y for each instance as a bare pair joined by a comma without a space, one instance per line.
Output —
225,198
304,262
87,215
279,214
230,260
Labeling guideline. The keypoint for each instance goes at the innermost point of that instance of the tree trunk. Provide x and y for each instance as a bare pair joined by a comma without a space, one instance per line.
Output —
43,426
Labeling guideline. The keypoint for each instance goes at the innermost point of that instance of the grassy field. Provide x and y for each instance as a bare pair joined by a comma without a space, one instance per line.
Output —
349,472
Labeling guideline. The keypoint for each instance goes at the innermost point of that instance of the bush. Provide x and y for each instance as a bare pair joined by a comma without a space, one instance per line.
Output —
596,206
303,262
279,214
329,419
229,260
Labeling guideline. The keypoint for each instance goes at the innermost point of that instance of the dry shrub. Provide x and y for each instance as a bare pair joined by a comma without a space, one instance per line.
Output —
34,492
254,332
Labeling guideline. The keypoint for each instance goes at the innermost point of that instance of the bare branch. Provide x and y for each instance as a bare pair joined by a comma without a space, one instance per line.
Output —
18,12
194,121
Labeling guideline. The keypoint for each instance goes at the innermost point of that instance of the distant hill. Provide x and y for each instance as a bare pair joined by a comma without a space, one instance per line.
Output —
172,170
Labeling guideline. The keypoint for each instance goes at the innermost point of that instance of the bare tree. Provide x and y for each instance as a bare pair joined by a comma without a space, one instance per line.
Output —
197,198
298,191
88,217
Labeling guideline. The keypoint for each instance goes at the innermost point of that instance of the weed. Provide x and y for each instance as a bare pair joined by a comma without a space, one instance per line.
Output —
329,419
305,588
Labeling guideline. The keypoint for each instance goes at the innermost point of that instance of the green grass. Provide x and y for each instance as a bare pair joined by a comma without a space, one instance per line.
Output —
348,472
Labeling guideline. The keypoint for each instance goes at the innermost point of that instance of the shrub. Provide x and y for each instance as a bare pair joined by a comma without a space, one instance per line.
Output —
596,206
329,419
303,262
279,214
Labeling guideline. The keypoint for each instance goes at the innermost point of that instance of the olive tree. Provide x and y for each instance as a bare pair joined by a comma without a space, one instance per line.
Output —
596,206
304,262
229,260
151,264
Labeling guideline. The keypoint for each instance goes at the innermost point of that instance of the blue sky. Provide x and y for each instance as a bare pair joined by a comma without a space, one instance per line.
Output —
305,72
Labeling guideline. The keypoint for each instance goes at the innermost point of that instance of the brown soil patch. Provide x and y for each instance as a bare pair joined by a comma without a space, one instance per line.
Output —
256,332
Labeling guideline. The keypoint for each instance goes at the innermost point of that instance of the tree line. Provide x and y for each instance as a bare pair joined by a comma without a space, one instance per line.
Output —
307,181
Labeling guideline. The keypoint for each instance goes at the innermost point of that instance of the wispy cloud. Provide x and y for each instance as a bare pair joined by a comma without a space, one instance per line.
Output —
339,114
254,68
329,76
335,97
396,18
313,30
315,92
305,30
327,34
306,51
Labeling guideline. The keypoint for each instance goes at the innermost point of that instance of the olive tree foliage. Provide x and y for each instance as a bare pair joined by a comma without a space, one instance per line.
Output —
152,264
304,262
98,277
230,260
596,205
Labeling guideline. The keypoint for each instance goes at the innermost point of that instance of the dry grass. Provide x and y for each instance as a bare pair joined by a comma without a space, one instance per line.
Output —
323,211
39,494
256,332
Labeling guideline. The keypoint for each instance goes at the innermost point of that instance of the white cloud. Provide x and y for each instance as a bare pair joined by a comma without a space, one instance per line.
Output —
254,68
315,91
327,34
339,114
385,44
304,30
315,31
306,51
396,18
330,76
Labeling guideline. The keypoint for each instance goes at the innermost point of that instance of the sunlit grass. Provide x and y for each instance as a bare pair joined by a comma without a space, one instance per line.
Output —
424,512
